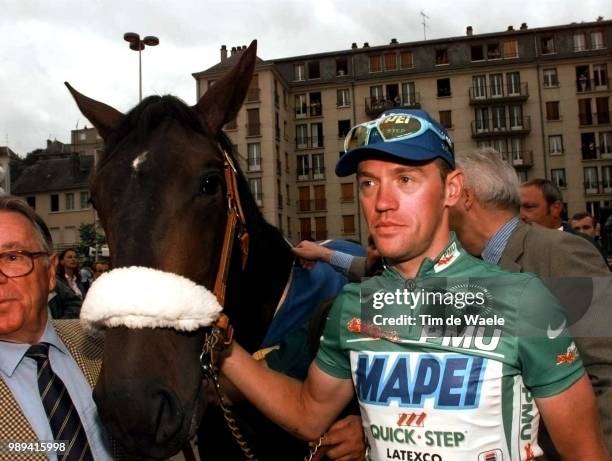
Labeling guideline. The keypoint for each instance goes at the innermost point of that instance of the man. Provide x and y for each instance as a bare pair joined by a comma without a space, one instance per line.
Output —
486,222
425,396
542,203
47,370
100,267
585,223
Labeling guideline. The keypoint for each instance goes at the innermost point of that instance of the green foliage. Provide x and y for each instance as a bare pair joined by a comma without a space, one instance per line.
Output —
89,238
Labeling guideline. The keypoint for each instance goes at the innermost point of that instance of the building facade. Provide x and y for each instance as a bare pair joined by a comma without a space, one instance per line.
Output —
5,171
541,97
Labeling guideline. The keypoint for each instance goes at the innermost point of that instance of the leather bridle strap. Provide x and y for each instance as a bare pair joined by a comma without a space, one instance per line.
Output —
235,225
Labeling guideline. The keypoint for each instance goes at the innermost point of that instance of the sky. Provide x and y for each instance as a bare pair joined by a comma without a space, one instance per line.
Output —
44,43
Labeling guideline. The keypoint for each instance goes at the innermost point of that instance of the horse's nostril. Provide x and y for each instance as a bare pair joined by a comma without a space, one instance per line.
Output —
169,417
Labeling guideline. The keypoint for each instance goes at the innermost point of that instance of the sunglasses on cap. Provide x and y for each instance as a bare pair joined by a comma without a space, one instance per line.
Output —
392,127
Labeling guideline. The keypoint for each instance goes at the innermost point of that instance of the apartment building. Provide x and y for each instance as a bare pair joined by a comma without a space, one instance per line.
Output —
539,96
5,172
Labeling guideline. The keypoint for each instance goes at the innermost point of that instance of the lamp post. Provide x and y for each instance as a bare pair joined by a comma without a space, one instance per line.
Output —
137,44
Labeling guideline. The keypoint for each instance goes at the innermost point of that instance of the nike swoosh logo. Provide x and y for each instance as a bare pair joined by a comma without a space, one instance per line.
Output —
552,334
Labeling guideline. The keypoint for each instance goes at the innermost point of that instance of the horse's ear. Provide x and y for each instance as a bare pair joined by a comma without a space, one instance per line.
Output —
104,118
221,103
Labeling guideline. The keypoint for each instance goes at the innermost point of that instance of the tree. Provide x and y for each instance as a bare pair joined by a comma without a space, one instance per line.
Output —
90,238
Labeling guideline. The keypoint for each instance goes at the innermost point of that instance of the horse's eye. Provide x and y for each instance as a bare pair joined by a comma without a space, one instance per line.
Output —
211,184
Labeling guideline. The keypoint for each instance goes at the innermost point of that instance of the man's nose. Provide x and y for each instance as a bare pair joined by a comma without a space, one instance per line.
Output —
385,197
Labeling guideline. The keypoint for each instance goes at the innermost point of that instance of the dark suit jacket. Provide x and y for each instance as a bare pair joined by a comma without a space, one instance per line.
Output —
552,253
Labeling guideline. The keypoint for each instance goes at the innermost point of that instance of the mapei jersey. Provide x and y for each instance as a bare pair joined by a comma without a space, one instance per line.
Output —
447,366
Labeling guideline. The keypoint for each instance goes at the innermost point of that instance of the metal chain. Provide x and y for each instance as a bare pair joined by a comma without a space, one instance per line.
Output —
208,368
314,449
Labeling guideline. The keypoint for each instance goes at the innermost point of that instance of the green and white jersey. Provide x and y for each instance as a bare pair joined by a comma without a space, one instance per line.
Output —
458,381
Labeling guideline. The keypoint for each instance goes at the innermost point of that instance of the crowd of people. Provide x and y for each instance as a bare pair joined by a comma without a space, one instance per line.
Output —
438,220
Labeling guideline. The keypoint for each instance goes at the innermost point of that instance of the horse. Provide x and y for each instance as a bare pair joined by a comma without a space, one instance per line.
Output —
175,209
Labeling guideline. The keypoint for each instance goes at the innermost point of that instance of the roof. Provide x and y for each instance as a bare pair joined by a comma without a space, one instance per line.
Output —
227,64
55,174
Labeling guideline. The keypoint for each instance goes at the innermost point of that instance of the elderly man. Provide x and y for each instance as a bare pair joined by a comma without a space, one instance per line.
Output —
427,396
486,220
46,369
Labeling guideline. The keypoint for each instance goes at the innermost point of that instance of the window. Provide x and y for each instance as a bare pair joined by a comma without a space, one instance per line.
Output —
557,176
301,107
254,156
341,67
313,70
253,92
348,224
552,110
441,57
513,79
344,126
496,85
320,227
498,118
477,53
316,133
305,229
31,200
493,51
255,185
390,61
375,63
511,49
547,44
408,94
550,78
299,72
318,166
482,120
585,115
303,168
579,42
600,79
406,60
347,192
597,40
320,200
605,142
446,119
588,147
301,136
555,144
516,117
253,125
316,108
603,110
54,202
84,198
590,180
479,87
343,98
82,136
606,178
444,87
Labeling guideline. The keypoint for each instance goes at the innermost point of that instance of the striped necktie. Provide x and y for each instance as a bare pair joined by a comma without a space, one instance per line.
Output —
63,417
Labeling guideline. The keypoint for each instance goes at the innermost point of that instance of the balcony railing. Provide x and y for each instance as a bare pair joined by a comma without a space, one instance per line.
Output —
592,152
317,204
313,142
584,85
595,118
310,174
488,94
315,109
520,159
488,127
597,187
252,95
253,129
375,106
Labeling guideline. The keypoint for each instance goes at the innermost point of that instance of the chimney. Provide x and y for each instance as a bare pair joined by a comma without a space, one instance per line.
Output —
223,53
393,41
366,45
469,31
233,52
353,45
524,26
510,27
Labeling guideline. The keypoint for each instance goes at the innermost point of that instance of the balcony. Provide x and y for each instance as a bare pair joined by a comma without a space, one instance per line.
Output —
486,128
310,174
252,95
315,109
585,85
375,106
496,94
591,152
521,160
596,188
253,129
307,206
313,142
595,118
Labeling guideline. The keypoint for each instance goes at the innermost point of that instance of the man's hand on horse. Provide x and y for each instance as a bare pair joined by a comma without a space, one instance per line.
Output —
310,252
344,441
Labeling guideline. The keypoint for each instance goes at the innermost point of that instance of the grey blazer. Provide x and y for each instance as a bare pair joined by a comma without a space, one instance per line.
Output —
552,253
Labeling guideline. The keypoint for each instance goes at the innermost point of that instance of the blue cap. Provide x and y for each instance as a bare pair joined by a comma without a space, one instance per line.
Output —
430,141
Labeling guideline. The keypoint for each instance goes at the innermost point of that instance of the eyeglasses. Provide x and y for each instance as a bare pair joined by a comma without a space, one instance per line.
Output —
18,263
390,128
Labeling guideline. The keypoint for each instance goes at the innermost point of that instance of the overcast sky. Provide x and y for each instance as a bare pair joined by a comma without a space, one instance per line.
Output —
46,42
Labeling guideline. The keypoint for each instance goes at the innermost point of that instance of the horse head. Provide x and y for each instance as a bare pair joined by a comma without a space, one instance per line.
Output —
160,193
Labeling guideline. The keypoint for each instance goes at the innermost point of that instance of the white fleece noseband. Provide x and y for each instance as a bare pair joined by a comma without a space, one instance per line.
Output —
141,297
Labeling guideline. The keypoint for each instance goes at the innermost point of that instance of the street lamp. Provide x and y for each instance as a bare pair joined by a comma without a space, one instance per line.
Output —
137,44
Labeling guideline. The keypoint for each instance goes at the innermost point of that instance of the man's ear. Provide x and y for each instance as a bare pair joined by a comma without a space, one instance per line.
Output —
52,271
454,187
556,209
